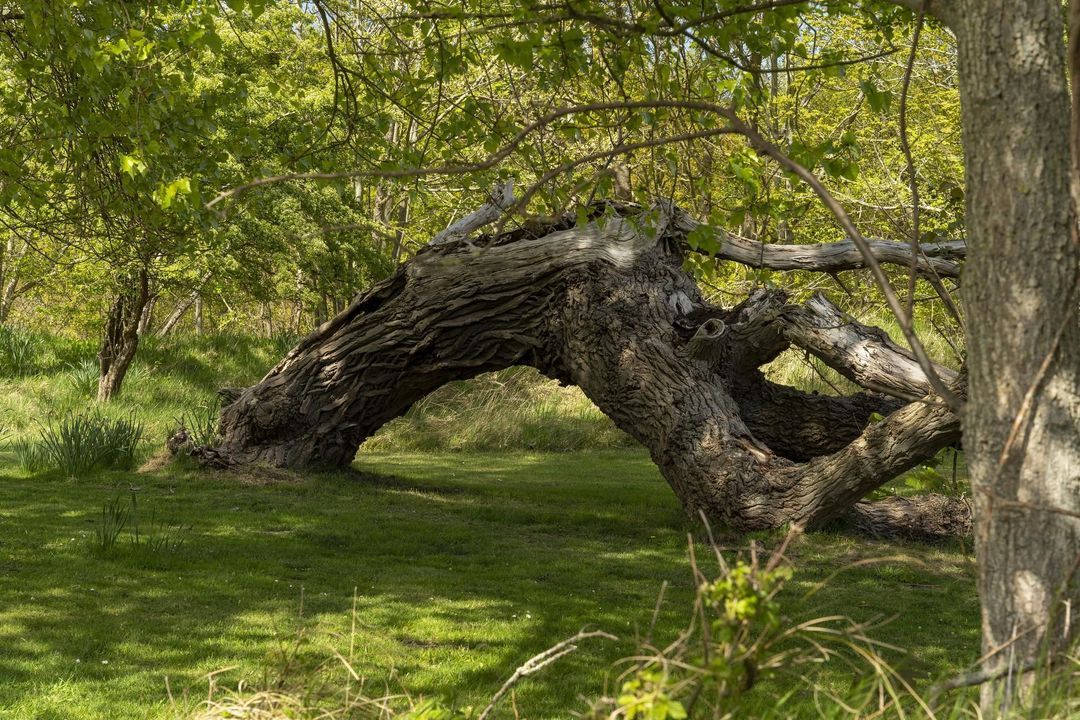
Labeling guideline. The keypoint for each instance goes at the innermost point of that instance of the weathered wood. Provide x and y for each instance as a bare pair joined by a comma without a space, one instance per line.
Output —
502,198
863,354
937,258
607,307
924,517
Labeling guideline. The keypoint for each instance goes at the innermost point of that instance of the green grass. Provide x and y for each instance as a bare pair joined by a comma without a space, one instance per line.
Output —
511,409
463,565
169,377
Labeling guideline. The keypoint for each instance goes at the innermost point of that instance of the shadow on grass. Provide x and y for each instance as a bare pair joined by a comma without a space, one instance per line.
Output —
463,566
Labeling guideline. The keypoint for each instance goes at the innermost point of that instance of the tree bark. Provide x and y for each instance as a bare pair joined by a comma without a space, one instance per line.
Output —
1023,333
122,335
182,307
607,307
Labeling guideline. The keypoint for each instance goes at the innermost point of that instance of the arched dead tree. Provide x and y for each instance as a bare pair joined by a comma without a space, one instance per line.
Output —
608,307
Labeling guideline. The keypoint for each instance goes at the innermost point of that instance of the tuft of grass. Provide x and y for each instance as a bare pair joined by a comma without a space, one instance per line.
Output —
83,376
30,455
82,443
154,537
18,352
201,424
114,518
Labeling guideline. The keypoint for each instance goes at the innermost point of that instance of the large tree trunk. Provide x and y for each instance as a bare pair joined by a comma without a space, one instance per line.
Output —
608,307
122,335
1023,333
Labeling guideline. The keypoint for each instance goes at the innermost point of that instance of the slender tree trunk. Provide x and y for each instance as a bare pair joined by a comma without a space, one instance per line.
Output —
122,335
182,307
1023,333
146,318
13,254
198,315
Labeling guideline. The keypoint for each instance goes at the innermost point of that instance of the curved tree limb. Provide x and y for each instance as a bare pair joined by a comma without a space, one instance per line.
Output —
608,307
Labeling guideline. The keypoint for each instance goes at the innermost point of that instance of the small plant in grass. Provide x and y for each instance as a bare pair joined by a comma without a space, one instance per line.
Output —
30,455
83,376
200,424
81,443
114,517
155,536
737,639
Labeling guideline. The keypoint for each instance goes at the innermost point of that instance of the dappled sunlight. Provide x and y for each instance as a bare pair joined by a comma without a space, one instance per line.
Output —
460,566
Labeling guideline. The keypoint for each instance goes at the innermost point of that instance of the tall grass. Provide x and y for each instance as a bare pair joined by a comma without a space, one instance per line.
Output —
81,443
18,352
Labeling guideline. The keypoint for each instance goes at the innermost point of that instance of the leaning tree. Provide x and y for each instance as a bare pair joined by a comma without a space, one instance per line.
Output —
603,302
606,306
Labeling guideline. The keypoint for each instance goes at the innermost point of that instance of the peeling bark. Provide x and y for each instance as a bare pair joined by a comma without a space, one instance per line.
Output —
607,307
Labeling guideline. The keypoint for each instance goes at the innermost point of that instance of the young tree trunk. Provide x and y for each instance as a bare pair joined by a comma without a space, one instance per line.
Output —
1020,292
121,335
182,307
146,317
609,308
198,315
10,266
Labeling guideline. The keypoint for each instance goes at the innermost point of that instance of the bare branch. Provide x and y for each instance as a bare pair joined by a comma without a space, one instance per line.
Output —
498,203
913,182
863,354
939,258
539,662
767,148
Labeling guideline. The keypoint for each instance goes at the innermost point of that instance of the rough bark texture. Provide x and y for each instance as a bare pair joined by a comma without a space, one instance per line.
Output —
1023,334
606,307
121,335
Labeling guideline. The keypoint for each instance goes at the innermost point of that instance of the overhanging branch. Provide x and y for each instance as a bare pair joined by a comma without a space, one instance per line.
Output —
940,257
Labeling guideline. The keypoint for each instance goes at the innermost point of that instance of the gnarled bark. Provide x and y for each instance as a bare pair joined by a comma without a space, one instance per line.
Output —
606,307
122,334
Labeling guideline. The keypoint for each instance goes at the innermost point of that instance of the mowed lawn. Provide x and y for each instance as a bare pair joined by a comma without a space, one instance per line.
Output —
459,567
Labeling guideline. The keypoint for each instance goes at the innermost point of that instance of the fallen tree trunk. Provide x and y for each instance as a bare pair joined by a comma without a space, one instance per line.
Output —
607,307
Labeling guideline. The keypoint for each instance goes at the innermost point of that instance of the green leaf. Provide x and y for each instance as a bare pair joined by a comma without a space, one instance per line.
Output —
132,164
